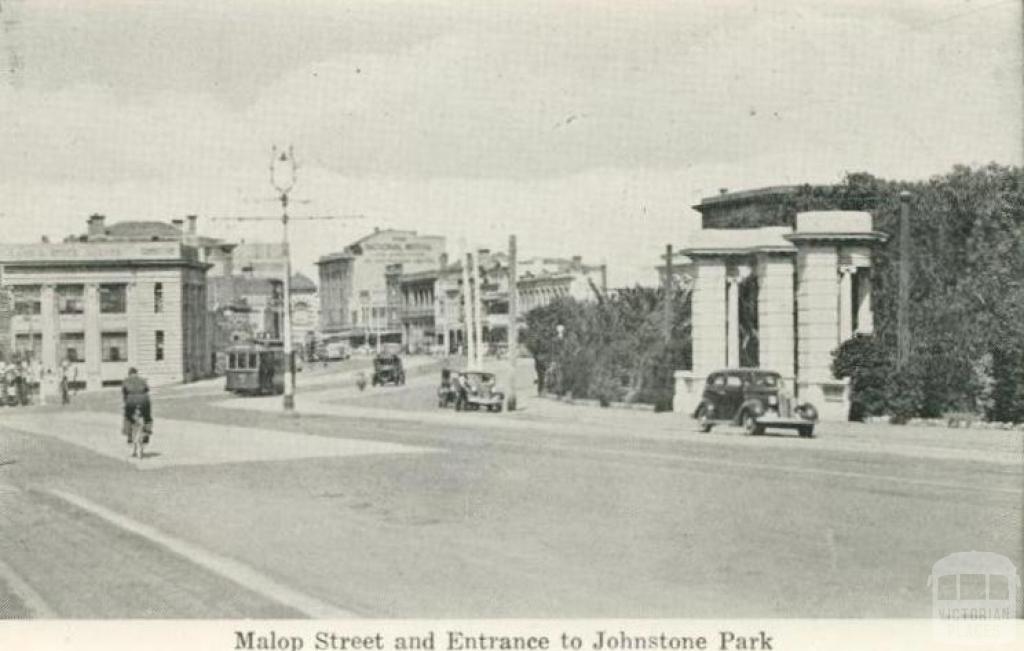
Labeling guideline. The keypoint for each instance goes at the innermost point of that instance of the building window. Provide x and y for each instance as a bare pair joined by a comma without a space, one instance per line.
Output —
28,299
29,346
159,349
158,298
115,346
70,299
72,346
112,299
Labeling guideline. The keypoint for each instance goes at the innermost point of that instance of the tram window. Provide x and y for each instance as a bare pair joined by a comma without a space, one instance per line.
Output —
242,361
998,587
947,587
254,360
232,361
972,586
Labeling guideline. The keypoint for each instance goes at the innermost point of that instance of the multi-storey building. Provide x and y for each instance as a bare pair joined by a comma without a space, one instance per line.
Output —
132,294
357,300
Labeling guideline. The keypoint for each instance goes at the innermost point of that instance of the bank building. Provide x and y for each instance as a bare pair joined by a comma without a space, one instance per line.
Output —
125,294
803,282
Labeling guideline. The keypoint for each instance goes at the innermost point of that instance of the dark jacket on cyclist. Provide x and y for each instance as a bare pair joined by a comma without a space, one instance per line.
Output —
136,394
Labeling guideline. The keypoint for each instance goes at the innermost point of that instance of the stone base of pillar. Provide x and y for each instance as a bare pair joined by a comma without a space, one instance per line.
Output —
689,387
830,398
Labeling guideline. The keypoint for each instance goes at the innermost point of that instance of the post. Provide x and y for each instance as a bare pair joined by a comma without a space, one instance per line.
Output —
467,310
902,317
286,311
478,313
513,322
668,293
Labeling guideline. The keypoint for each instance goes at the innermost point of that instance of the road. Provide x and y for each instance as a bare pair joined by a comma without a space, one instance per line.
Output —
379,504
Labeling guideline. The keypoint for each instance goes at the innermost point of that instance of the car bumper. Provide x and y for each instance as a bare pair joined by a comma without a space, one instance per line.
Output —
774,420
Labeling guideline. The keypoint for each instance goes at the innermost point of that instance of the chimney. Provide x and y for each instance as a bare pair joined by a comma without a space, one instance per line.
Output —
444,261
96,226
191,224
577,262
178,223
723,190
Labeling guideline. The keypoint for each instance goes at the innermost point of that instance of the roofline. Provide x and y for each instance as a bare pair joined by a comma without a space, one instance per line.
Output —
104,264
743,196
870,236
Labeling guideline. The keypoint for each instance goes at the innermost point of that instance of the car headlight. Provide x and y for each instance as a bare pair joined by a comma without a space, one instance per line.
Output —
773,400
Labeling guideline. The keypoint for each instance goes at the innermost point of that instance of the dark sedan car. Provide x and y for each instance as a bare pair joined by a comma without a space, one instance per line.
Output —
755,399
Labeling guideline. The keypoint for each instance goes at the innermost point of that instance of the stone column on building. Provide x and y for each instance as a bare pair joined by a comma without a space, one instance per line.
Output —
818,327
732,323
865,315
846,302
708,302
775,314
132,319
93,345
48,324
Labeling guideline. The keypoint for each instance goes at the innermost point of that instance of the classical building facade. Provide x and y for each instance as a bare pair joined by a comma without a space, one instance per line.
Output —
359,290
782,298
127,295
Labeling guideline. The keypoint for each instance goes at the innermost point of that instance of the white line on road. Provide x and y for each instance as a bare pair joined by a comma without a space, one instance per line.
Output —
786,469
230,569
36,605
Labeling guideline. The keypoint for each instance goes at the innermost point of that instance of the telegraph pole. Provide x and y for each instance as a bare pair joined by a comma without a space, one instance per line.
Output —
478,312
467,310
668,293
513,321
902,317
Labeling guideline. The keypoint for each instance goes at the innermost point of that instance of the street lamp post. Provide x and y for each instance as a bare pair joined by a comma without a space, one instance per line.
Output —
282,177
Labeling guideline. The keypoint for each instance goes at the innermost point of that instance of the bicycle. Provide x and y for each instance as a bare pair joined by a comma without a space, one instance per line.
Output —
137,433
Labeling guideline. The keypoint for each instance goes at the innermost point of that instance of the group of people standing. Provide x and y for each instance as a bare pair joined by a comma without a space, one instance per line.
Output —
23,382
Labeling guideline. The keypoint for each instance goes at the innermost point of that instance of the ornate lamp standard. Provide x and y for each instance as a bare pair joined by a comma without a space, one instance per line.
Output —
282,177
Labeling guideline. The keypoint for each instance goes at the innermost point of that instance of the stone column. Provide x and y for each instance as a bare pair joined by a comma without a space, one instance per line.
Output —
709,336
93,346
818,329
865,315
48,324
775,314
846,302
732,337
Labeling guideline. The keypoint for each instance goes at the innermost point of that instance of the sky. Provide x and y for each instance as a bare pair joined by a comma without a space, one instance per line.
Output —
585,127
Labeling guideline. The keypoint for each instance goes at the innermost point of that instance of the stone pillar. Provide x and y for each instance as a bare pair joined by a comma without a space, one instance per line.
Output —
732,325
48,324
865,314
93,346
818,329
775,314
709,316
846,302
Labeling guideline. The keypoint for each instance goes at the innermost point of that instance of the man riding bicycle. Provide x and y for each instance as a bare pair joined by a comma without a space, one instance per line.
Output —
135,391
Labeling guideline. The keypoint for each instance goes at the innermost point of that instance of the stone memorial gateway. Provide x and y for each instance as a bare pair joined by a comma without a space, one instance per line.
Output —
812,288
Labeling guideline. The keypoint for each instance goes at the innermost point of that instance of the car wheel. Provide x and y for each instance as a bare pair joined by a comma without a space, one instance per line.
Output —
498,407
459,405
703,423
750,425
806,431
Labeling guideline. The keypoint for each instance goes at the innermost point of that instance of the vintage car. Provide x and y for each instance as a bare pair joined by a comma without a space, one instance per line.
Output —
755,399
473,390
387,369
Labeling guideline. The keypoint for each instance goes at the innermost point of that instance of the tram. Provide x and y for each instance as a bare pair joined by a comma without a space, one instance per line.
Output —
255,369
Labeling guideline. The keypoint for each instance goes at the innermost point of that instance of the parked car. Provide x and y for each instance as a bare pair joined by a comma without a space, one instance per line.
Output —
755,399
387,369
474,390
337,350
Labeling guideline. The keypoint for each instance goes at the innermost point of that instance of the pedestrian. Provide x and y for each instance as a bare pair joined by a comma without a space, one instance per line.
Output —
541,368
135,392
68,376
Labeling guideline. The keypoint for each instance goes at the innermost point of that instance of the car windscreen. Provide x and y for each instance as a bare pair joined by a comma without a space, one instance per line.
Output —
768,381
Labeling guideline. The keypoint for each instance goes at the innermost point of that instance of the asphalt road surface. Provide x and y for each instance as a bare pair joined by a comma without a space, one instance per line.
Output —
379,504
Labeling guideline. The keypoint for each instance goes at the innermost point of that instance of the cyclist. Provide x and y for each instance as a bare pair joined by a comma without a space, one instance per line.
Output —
135,391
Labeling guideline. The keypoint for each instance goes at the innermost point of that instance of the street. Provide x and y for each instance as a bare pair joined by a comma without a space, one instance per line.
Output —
380,504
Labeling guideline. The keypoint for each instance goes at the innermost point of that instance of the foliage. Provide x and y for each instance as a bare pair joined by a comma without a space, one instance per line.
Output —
613,349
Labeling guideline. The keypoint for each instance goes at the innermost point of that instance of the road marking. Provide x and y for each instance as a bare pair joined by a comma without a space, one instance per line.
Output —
36,605
748,465
230,569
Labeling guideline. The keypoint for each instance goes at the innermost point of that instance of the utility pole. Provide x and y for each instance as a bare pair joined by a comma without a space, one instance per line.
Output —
467,310
902,317
668,293
513,321
283,170
478,312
